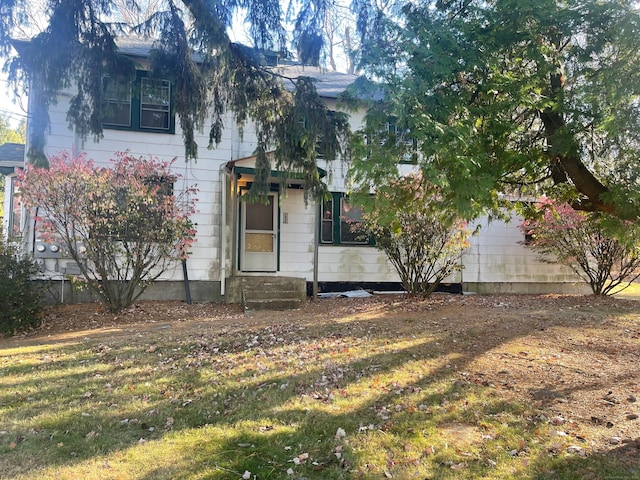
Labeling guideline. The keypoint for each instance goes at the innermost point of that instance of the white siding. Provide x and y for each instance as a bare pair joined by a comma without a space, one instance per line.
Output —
204,262
296,236
494,256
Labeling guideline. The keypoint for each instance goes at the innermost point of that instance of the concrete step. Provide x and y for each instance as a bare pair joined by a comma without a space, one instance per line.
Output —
267,293
271,304
256,294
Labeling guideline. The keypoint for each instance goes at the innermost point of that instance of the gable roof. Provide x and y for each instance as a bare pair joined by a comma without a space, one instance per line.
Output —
329,84
11,157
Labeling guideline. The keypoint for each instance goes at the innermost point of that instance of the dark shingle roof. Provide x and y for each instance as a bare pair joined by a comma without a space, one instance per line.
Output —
11,157
329,84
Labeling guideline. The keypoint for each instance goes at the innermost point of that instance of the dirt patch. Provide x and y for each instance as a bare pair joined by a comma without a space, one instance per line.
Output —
574,357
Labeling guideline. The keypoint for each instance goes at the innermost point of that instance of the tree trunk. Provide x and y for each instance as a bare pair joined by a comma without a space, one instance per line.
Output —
565,163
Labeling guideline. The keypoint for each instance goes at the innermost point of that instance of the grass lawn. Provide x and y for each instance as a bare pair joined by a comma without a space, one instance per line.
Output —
453,387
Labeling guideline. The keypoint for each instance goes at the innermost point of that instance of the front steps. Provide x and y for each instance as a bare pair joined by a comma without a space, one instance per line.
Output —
267,293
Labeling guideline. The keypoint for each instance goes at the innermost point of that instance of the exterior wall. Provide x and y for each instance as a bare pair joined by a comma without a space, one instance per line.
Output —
495,261
353,264
297,230
7,206
336,263
204,263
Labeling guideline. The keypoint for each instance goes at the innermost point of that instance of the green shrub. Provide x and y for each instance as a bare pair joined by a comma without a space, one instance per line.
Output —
20,300
422,238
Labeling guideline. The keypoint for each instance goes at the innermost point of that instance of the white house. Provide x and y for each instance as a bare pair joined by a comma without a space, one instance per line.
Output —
11,158
286,238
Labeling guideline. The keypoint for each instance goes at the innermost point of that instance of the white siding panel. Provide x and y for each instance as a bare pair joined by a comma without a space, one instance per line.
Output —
354,264
203,262
296,236
298,247
495,255
298,269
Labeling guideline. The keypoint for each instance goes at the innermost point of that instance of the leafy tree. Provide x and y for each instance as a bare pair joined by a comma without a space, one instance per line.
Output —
123,226
8,134
422,240
514,96
22,131
601,250
78,47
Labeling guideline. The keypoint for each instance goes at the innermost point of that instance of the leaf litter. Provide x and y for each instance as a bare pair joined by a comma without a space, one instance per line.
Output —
560,354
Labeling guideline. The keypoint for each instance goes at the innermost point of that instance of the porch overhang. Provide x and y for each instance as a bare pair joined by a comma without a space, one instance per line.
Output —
293,178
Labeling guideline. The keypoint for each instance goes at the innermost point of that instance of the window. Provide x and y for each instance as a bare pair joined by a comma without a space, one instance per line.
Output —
155,101
396,139
321,144
326,235
350,221
117,96
144,104
340,222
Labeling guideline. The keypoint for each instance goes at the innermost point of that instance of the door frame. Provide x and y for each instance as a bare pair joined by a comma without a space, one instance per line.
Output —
242,260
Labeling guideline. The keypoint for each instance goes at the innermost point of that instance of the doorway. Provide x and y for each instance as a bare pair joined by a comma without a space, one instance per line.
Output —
259,236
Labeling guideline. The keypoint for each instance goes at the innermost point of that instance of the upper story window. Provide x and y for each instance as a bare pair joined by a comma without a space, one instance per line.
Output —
155,104
117,97
143,105
321,144
395,139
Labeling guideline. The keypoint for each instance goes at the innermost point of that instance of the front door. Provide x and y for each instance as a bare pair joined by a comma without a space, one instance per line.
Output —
258,239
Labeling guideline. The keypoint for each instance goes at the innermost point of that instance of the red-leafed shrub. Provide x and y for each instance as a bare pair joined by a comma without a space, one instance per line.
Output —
602,251
122,225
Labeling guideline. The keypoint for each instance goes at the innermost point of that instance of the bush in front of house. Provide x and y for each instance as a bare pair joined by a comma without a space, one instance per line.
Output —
603,251
123,226
20,303
422,238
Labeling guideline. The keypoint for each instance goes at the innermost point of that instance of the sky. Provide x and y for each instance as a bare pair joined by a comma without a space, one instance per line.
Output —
9,108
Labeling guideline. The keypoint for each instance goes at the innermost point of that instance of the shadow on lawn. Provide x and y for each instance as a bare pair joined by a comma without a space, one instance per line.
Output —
268,444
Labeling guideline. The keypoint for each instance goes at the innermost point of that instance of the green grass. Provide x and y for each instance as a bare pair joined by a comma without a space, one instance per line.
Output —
347,398
632,292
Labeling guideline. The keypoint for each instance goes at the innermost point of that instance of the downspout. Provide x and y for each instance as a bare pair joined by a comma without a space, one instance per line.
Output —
317,224
185,276
225,175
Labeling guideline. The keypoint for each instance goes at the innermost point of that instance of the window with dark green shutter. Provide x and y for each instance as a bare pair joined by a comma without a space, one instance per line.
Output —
142,105
340,222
